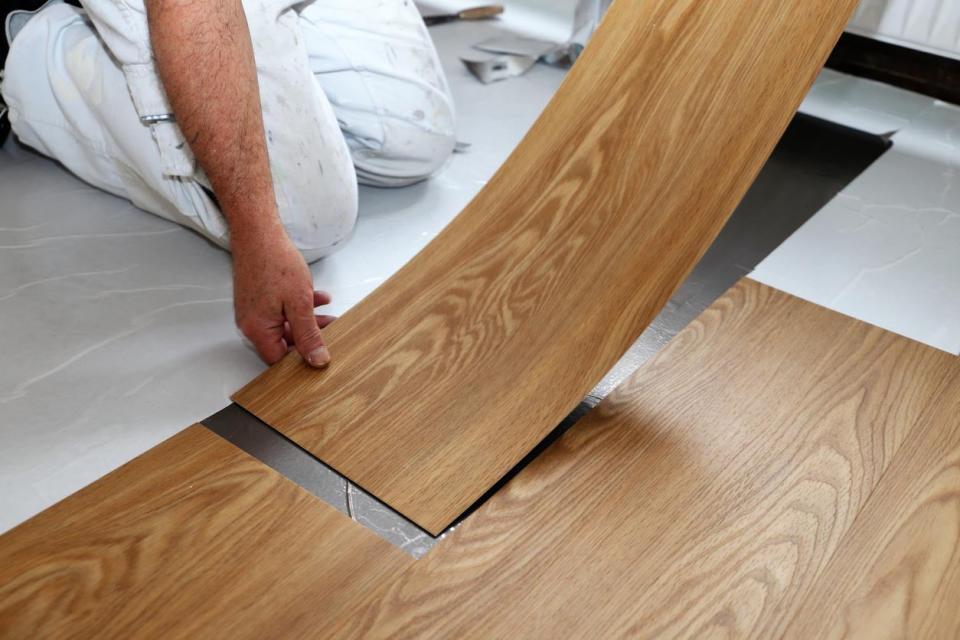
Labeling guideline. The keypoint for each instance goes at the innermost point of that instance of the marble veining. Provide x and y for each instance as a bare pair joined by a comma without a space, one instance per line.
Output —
887,249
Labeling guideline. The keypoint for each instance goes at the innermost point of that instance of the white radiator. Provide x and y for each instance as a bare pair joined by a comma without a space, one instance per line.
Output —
928,25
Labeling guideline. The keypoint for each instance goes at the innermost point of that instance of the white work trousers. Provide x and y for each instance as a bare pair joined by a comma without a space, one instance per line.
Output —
350,90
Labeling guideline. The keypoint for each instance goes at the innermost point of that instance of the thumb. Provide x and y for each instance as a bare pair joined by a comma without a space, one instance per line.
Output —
307,337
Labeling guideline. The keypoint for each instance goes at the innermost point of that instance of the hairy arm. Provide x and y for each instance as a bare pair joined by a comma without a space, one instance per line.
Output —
205,60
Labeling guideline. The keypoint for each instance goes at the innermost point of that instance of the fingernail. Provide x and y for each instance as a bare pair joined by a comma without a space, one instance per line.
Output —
319,357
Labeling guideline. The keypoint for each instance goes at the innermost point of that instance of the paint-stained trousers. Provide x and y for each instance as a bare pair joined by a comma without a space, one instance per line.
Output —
350,90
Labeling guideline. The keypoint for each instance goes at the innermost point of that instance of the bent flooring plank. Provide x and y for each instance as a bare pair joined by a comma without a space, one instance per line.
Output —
192,539
452,370
897,573
704,497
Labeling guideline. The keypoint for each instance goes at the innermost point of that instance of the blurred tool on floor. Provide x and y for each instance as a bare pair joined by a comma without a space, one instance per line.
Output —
476,13
493,68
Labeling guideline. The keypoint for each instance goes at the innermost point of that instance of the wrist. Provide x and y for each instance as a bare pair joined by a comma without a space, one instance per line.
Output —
264,229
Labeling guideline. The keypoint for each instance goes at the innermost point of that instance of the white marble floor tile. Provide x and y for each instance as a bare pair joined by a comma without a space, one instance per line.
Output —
115,330
887,249
863,104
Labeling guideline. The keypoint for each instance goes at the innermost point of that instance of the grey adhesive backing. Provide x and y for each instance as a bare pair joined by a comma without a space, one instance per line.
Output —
250,434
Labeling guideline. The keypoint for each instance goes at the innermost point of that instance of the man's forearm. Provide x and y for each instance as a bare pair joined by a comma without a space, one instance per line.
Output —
205,59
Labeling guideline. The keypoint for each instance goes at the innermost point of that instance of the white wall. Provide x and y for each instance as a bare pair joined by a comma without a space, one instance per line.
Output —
930,25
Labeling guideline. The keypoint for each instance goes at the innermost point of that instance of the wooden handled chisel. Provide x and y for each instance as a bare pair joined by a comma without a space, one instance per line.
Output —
476,13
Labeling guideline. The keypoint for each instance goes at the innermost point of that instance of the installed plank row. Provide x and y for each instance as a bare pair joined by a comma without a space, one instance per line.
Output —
450,372
193,539
779,469
897,572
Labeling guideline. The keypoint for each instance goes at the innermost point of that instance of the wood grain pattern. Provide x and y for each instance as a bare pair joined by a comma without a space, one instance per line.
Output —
451,371
704,498
897,573
194,539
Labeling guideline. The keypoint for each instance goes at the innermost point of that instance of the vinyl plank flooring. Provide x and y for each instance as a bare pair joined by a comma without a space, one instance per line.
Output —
705,497
451,371
897,573
193,539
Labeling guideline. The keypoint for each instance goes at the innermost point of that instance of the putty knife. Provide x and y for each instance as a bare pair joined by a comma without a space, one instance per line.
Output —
476,13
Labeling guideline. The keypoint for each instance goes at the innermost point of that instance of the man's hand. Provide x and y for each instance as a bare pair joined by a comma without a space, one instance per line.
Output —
273,299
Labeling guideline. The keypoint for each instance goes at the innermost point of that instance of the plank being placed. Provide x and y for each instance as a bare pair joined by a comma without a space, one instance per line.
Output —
193,539
452,370
709,494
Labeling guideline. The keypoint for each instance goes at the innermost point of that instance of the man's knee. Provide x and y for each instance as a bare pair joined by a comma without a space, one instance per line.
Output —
323,228
416,158
415,143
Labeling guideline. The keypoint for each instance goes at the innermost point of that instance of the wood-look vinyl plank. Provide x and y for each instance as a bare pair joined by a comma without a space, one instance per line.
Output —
705,497
193,539
897,572
445,376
